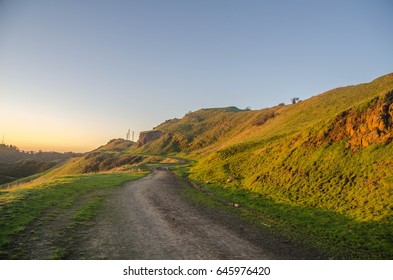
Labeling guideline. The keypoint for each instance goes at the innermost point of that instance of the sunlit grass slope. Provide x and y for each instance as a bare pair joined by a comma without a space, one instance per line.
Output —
332,151
305,155
204,130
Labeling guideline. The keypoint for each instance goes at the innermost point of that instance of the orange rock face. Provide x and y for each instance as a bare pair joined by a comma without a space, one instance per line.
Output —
363,127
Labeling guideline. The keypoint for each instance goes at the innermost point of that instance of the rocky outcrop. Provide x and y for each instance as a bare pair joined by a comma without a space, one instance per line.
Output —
363,126
148,136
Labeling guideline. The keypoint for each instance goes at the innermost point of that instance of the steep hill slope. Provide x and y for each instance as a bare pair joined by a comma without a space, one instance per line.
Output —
332,151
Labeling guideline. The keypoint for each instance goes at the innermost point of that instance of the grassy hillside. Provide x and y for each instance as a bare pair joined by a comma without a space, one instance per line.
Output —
331,151
206,129
320,168
301,157
323,107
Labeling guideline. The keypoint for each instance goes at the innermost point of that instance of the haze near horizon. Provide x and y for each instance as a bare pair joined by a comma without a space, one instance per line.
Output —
74,74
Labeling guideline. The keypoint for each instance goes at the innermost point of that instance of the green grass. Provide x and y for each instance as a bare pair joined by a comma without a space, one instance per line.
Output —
330,177
88,211
309,168
337,236
20,206
59,254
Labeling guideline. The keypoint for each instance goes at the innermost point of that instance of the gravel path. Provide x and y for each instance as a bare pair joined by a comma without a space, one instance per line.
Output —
150,219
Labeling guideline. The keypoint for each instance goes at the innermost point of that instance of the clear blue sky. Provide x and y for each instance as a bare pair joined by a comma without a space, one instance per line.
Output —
74,74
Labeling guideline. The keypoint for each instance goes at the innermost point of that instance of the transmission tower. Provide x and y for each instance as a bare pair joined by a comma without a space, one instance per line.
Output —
128,135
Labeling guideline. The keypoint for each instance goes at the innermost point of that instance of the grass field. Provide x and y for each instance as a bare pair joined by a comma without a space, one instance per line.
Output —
336,236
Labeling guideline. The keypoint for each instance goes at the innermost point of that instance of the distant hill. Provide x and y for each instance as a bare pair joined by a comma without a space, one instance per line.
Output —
110,156
16,164
332,151
13,171
12,154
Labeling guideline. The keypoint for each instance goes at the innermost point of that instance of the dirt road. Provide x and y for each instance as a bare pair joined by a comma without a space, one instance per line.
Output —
150,219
